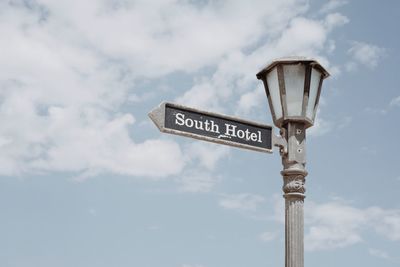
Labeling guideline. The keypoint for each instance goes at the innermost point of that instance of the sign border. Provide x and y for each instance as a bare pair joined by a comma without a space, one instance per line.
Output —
157,115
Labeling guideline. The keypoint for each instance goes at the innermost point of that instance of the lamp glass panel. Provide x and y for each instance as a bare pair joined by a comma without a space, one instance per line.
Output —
273,86
294,85
314,83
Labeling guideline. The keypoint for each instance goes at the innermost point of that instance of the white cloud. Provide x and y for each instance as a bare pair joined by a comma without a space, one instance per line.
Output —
335,20
66,78
80,140
333,225
385,222
279,208
395,102
251,99
364,54
321,127
324,126
197,181
205,154
382,111
148,33
241,202
86,142
235,72
201,158
345,122
332,5
136,98
378,253
204,96
71,66
303,36
337,224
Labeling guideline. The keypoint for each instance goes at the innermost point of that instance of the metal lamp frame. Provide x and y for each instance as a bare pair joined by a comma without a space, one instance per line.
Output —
279,63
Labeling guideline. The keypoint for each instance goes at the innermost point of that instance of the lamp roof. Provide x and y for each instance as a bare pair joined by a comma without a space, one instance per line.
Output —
292,60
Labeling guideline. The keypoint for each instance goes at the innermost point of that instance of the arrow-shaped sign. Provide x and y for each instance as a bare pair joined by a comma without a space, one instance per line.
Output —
203,125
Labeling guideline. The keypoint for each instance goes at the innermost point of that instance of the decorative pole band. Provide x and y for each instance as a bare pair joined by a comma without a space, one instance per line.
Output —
294,182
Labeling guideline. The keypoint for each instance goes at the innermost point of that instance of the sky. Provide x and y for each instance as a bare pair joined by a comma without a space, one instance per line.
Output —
87,180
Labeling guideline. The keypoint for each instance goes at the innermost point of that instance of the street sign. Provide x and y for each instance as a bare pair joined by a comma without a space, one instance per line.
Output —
203,125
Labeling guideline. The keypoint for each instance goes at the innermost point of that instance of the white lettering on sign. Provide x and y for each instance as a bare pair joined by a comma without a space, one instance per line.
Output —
230,130
209,125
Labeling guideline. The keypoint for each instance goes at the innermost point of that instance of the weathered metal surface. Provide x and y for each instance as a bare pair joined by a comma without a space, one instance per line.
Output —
294,189
309,64
203,125
292,60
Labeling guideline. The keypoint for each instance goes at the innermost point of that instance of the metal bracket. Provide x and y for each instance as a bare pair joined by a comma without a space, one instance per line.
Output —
296,137
280,141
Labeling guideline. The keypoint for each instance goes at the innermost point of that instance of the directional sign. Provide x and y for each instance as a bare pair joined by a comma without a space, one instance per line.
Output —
212,127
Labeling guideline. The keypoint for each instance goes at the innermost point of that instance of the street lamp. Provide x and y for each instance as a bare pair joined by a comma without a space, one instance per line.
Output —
293,86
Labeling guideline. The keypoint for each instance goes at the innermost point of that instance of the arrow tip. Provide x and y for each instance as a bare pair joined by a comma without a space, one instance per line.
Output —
157,115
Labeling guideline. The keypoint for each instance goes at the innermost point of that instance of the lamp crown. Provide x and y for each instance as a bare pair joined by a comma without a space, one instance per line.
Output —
292,60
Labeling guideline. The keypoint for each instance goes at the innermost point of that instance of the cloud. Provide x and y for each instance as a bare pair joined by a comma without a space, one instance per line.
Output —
395,102
85,142
205,154
197,181
78,139
324,126
364,54
378,253
251,99
241,202
205,95
332,5
149,33
335,20
321,127
201,159
333,225
337,224
67,78
345,122
385,222
302,36
235,72
72,68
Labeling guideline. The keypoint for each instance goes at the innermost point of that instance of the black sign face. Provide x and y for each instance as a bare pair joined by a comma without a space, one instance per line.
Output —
217,128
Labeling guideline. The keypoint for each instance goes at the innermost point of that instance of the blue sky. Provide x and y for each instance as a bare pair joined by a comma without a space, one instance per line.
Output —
87,179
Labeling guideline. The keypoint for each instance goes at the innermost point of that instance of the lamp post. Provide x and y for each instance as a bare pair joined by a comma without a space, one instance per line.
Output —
293,86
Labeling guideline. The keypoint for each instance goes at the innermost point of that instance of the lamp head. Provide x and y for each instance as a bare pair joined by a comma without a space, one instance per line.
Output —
293,86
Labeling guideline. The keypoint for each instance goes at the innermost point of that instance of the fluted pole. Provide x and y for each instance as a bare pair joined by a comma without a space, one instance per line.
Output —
294,174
